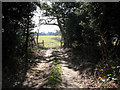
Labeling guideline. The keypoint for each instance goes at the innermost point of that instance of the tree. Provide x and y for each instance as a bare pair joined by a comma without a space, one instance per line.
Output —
16,27
59,11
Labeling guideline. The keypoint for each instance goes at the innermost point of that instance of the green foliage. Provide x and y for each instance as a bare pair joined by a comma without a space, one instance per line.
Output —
15,24
55,74
86,25
106,24
92,31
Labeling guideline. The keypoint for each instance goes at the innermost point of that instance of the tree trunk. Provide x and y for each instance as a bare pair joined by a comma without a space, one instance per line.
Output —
63,33
37,38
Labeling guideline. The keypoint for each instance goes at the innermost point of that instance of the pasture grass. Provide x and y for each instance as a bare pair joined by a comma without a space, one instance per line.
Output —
50,41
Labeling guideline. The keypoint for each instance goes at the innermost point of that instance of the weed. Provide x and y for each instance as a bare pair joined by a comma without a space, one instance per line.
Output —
55,74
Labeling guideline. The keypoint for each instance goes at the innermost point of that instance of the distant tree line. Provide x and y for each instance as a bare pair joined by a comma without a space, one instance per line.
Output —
49,33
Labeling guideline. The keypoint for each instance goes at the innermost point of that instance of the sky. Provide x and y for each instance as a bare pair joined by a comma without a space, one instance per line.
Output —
43,28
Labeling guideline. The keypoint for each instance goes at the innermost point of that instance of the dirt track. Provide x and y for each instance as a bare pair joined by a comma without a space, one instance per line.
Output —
71,77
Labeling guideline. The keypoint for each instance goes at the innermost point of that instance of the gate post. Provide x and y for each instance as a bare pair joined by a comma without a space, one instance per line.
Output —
43,42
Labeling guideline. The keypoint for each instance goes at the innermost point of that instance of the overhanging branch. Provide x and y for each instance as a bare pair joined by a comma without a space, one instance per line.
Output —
50,24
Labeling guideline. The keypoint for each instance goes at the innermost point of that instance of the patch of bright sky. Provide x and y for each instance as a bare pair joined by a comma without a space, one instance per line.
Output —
43,28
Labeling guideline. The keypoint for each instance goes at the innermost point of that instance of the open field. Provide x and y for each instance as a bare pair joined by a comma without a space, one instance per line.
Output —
50,41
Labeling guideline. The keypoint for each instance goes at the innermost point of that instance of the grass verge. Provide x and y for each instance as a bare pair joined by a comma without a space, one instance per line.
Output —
55,73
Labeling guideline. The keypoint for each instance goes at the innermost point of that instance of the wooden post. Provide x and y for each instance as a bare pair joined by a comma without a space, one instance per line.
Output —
43,42
34,42
37,38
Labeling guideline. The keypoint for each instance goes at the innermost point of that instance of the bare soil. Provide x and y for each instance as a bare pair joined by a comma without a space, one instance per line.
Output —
73,75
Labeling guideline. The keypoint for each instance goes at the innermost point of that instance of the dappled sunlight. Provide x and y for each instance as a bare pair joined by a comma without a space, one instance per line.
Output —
60,45
74,75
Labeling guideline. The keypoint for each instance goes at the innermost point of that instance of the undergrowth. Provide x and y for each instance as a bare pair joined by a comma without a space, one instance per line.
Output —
55,73
109,74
